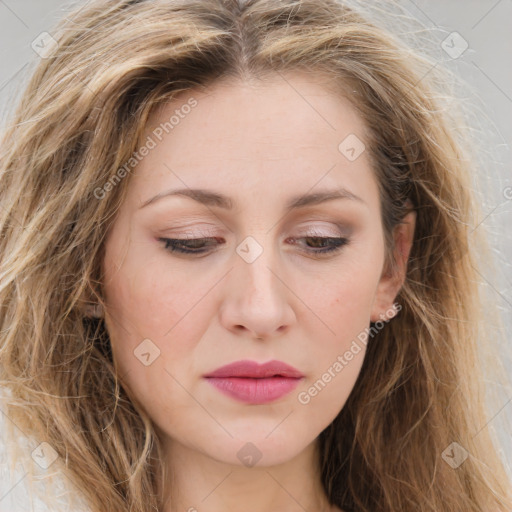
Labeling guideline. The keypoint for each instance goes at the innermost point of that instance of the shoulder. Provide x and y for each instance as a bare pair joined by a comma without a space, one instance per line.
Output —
24,486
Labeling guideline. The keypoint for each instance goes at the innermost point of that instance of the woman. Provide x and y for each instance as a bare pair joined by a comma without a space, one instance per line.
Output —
237,275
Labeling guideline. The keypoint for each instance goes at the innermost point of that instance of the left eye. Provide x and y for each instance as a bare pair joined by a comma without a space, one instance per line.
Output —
325,244
321,245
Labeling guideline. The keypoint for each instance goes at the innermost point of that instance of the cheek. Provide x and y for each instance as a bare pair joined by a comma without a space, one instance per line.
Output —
343,292
154,323
344,305
148,309
147,295
344,299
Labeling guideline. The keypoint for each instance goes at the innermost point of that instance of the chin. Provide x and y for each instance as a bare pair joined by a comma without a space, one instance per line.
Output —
259,450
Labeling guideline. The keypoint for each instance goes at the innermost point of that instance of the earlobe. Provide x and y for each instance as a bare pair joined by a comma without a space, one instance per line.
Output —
393,278
90,306
93,311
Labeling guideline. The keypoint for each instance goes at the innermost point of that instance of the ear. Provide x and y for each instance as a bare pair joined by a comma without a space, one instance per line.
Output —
393,276
89,305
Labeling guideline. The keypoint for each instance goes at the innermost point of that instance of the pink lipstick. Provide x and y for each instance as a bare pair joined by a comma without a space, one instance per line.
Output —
253,383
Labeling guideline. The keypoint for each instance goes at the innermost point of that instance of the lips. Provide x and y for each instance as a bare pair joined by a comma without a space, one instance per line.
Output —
254,370
253,383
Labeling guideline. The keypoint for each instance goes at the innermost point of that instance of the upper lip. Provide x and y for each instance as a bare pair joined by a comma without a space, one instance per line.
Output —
253,369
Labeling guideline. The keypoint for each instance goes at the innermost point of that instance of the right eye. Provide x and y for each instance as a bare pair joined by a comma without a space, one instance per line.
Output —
188,245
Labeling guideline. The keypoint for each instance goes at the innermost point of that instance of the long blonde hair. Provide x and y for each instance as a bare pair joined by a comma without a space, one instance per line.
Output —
79,121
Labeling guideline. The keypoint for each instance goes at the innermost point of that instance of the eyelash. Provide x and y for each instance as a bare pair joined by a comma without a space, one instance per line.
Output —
172,244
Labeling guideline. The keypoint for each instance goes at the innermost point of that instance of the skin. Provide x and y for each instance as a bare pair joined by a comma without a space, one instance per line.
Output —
260,144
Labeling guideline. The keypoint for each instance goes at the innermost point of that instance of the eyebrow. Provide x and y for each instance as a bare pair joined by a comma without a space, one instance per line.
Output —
217,200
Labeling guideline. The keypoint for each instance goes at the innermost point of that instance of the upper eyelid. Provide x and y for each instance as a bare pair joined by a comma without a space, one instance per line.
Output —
343,228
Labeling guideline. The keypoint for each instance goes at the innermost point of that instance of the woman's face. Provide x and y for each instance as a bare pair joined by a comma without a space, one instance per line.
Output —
261,285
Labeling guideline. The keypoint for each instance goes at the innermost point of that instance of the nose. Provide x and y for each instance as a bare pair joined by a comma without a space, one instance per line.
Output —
257,300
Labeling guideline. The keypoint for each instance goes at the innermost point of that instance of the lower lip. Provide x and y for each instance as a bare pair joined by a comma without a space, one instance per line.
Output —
254,391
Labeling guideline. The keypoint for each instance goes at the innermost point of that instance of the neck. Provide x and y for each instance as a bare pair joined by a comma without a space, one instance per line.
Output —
195,482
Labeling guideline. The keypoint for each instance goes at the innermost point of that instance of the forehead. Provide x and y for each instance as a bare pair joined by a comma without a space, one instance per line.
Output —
284,130
281,106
